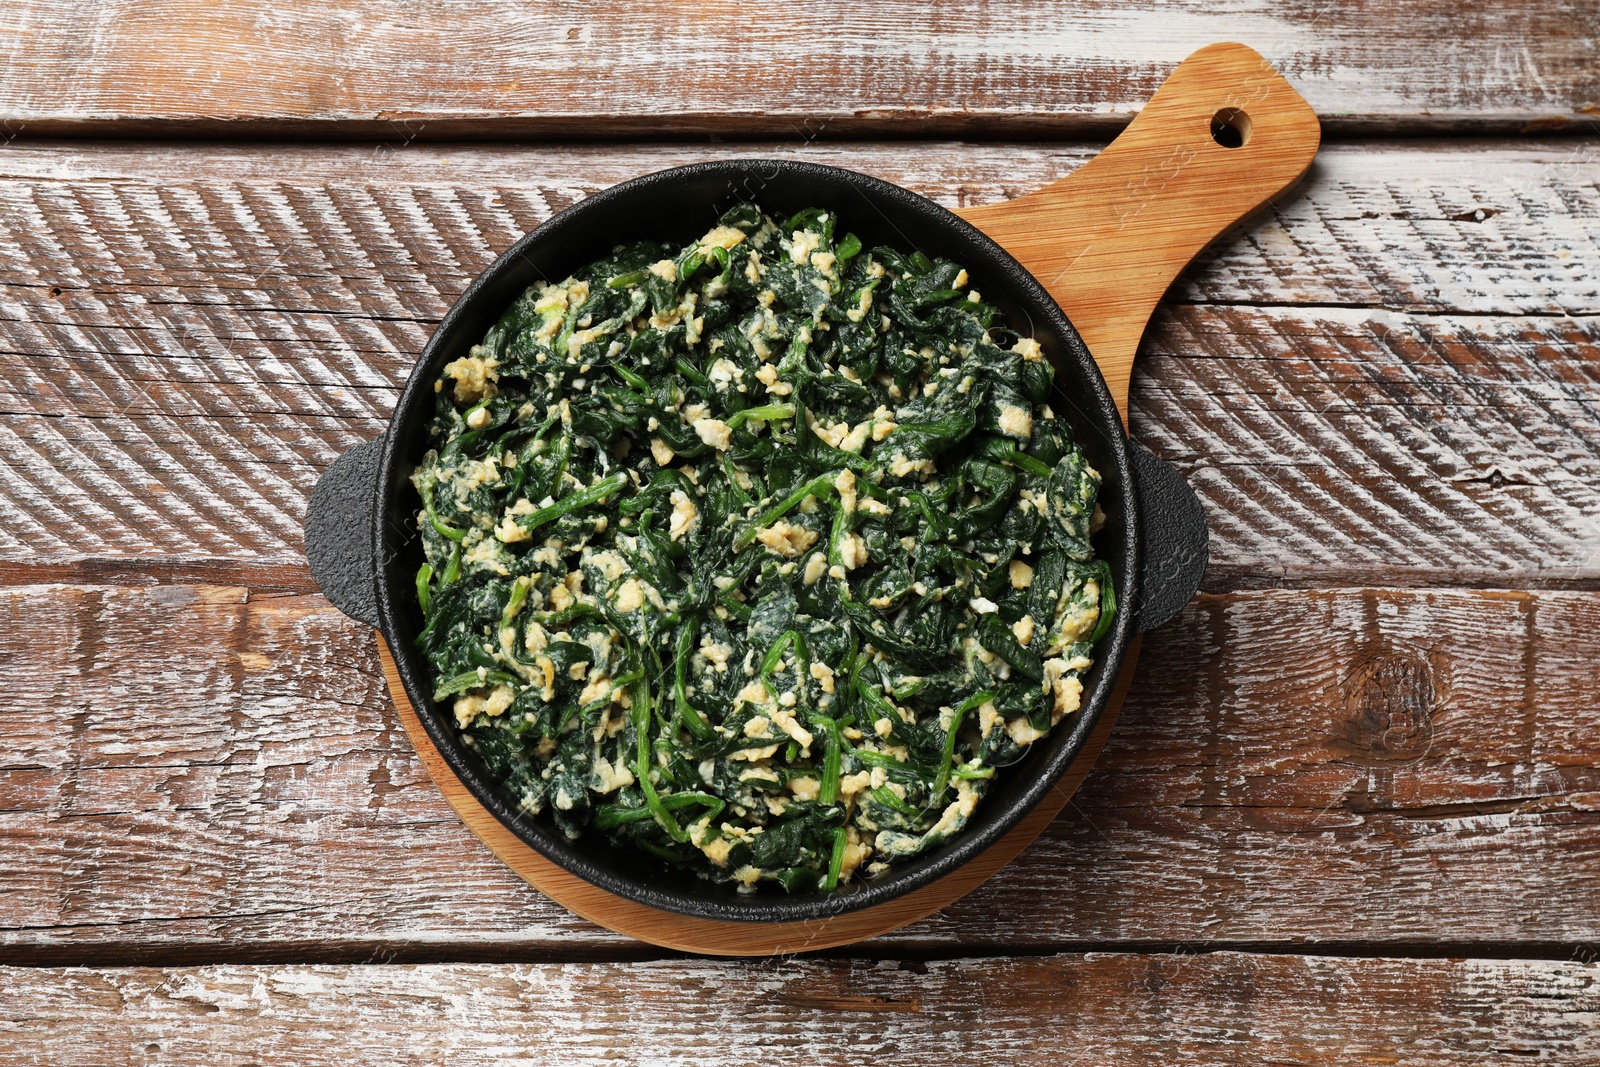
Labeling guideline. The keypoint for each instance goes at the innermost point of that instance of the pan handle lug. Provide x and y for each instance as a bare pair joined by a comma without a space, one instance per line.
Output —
1176,542
339,531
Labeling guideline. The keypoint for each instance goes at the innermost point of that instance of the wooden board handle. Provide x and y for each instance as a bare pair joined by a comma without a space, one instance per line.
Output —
1108,240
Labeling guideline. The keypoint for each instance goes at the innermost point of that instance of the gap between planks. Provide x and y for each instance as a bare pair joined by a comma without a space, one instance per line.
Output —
622,950
766,128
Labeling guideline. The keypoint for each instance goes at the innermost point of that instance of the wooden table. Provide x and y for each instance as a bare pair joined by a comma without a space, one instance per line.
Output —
1351,811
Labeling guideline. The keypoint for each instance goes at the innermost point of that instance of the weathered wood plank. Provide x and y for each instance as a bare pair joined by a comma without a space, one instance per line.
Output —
1161,1009
398,72
193,771
1371,385
1391,224
1335,445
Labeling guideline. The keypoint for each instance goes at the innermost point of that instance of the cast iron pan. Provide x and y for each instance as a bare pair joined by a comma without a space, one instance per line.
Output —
364,549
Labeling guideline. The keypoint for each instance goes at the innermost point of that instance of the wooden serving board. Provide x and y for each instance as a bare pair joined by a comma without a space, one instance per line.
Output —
1222,136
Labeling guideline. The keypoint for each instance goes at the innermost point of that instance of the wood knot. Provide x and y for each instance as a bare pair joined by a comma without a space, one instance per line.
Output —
1390,700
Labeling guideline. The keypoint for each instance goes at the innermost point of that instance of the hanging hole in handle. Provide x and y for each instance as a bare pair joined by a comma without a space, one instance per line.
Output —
1230,128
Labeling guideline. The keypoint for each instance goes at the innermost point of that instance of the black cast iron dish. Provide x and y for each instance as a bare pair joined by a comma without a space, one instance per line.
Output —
364,549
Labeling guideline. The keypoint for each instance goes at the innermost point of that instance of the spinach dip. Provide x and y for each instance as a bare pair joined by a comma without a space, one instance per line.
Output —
759,555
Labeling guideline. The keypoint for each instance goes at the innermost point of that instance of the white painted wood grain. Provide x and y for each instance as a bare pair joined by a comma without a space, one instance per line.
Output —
1159,1010
1368,384
204,773
397,71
